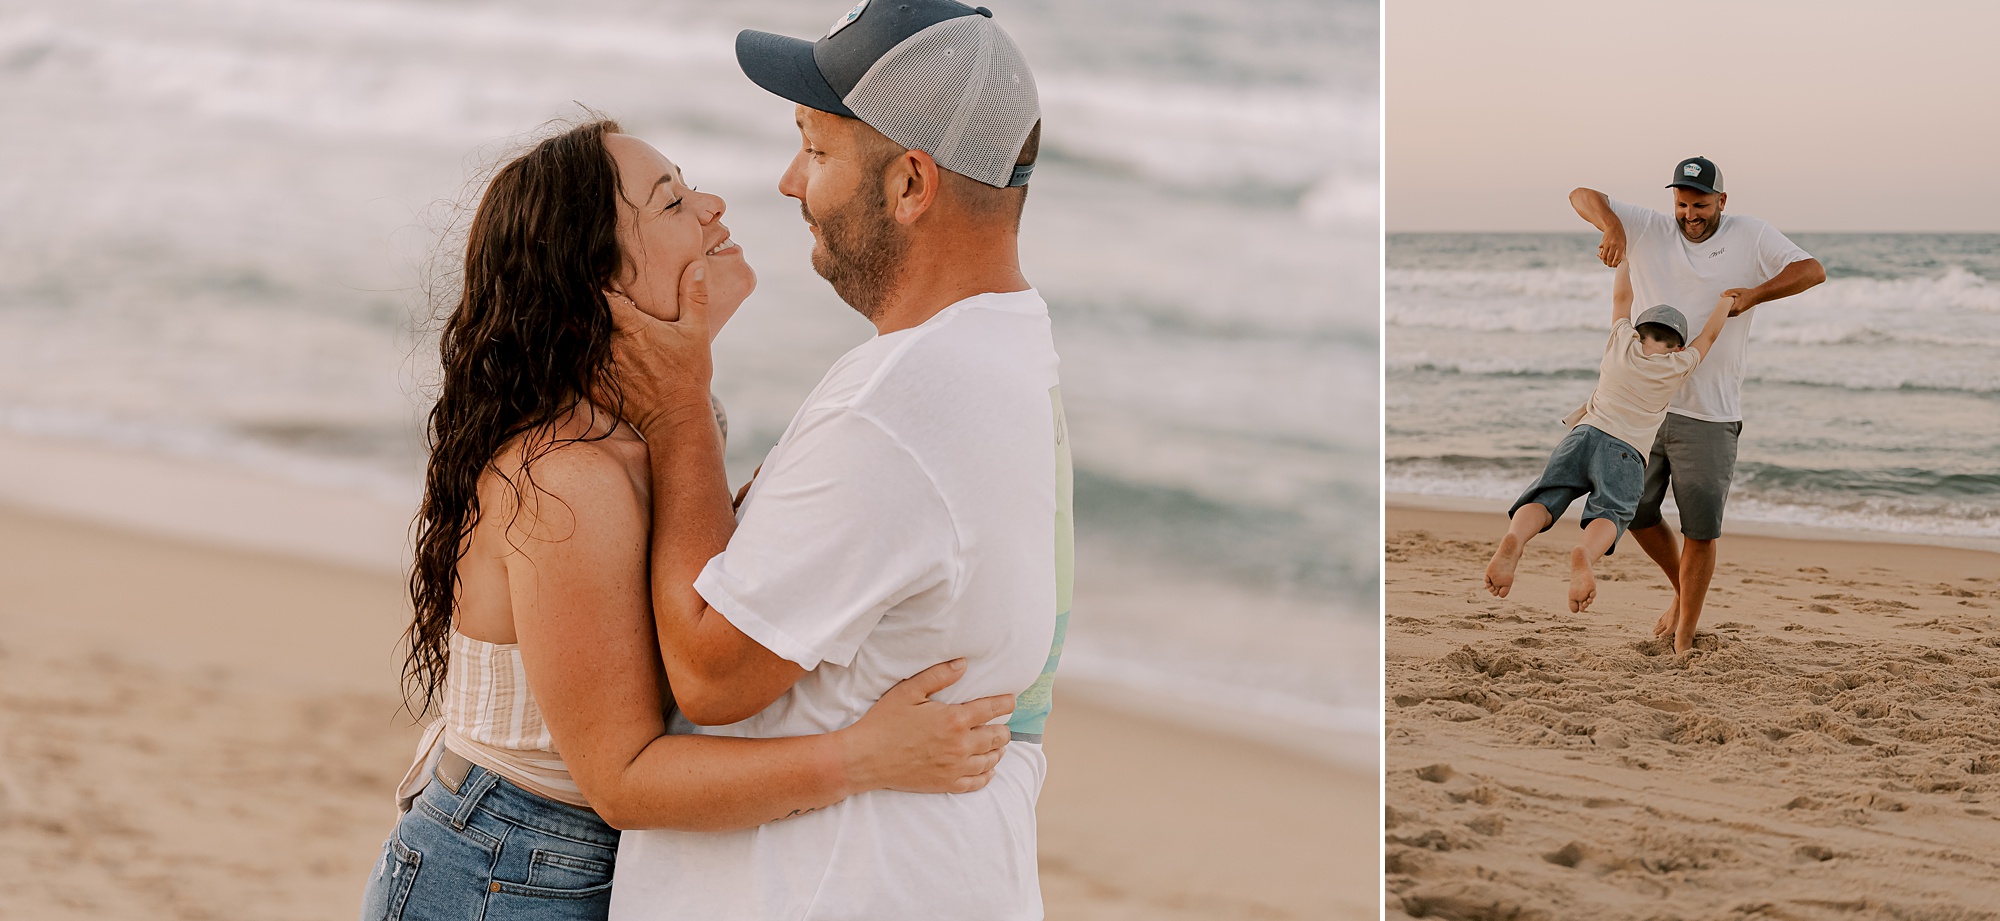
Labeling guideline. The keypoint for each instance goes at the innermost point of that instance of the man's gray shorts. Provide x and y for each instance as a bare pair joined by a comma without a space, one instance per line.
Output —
1699,458
1589,462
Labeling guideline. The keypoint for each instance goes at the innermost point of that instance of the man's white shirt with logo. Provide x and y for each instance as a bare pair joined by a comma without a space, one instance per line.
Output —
1666,268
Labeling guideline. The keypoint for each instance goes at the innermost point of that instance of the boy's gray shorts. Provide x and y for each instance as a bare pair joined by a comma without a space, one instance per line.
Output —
1588,461
1699,458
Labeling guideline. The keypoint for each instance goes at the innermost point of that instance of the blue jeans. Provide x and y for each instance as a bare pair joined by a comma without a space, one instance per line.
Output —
492,852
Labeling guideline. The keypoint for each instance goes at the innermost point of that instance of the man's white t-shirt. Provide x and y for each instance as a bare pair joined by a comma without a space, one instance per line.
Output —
915,511
1744,252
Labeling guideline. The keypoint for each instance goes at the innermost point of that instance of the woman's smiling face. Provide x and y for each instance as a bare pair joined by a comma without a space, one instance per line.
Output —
663,226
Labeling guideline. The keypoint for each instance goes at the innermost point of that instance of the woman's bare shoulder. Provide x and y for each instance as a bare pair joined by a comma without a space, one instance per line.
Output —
575,463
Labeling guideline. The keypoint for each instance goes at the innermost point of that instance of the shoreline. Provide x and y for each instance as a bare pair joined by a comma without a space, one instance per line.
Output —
225,506
1731,528
208,501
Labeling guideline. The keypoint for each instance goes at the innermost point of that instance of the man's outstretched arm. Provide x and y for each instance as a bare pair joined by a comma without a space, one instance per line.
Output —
716,673
1790,280
1595,207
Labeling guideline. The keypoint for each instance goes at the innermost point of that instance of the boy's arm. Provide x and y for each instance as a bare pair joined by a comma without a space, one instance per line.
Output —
1713,327
1621,294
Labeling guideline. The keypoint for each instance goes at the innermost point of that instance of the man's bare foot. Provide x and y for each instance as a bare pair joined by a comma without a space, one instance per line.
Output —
1582,584
1683,638
1500,572
1670,619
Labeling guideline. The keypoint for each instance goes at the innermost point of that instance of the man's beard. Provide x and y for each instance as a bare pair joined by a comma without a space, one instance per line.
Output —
860,253
1707,229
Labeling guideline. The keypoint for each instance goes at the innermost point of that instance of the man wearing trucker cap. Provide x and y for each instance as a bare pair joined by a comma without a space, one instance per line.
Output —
917,509
1694,257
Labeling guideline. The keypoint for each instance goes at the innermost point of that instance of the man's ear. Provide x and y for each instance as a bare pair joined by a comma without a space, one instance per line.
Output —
1721,200
911,186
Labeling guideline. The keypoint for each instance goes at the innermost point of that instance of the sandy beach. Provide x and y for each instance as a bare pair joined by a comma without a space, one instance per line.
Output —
202,731
1829,750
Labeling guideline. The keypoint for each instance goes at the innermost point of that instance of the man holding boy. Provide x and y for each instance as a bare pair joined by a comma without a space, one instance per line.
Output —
1604,454
1694,257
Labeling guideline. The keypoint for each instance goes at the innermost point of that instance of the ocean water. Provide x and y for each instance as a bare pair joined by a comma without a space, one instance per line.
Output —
216,218
1872,402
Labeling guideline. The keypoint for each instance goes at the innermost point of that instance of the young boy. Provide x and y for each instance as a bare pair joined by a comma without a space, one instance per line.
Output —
1604,454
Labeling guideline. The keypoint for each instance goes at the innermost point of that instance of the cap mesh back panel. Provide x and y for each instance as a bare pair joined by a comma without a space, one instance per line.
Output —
1005,111
960,91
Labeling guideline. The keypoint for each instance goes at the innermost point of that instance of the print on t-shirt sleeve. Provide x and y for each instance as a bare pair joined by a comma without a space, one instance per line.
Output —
1031,707
844,525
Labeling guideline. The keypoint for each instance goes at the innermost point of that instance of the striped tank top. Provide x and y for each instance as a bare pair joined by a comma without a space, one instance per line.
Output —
489,718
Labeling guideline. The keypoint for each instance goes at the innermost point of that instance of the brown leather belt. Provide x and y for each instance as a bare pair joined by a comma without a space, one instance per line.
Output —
451,769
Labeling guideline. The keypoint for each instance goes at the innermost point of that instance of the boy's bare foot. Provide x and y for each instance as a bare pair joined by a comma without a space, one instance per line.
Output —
1670,619
1500,572
1582,584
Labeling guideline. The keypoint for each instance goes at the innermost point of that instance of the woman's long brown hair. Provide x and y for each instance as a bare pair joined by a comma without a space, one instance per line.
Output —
528,337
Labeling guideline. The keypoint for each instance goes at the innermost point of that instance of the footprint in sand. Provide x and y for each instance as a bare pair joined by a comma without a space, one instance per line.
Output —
1884,606
1471,899
1569,855
1436,773
1491,824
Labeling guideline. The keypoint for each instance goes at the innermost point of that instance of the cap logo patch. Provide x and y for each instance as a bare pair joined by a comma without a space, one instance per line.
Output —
847,20
1692,169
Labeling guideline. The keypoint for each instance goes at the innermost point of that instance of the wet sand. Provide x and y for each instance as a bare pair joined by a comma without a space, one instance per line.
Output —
1831,749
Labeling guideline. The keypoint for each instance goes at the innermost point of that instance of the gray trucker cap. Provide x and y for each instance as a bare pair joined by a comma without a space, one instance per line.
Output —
1697,173
932,75
1663,315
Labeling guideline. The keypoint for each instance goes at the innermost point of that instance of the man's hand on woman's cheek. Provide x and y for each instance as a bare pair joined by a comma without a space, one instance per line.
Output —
661,368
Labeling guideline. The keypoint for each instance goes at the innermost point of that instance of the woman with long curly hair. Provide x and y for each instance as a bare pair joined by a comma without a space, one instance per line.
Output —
533,637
